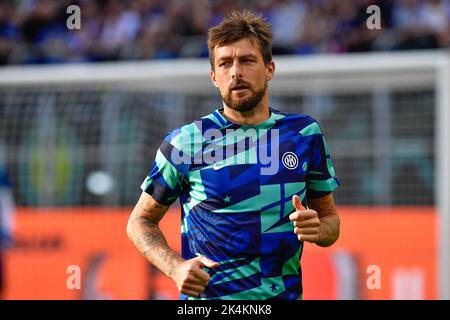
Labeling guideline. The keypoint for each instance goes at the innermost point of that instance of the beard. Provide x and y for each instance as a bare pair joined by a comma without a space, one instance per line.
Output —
243,104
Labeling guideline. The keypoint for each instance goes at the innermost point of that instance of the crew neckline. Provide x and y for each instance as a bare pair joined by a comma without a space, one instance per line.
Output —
224,121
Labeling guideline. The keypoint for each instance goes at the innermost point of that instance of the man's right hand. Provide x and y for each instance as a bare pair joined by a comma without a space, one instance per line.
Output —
189,277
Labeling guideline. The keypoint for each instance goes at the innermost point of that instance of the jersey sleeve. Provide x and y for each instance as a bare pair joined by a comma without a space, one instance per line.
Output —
165,180
321,178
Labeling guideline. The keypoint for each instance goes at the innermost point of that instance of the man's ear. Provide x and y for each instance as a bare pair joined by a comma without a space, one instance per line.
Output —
212,75
270,70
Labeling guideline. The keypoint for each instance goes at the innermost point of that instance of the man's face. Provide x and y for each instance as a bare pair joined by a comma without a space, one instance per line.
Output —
240,74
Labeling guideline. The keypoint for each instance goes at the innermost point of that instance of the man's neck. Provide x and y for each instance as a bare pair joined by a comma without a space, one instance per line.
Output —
250,118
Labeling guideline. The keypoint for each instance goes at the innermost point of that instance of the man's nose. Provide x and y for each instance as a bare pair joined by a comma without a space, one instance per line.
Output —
236,71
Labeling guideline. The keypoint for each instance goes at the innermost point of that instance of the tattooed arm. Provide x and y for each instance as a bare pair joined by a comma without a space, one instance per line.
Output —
319,223
329,219
144,232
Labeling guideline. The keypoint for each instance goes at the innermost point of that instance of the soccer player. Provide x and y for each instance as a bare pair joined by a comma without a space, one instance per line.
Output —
243,222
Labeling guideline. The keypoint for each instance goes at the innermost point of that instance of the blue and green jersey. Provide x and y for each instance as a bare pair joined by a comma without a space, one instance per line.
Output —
235,185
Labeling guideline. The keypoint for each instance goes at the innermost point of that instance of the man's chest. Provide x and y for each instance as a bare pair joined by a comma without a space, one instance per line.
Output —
256,171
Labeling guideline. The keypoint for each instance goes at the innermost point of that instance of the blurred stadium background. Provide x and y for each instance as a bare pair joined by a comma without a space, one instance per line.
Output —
82,113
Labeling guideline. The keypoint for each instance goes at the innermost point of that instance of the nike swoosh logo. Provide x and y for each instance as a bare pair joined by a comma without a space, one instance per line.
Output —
219,166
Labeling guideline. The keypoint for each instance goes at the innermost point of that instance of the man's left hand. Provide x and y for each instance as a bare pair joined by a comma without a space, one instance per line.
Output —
306,222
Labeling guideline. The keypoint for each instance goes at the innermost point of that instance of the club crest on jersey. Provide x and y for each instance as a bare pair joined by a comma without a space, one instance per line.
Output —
290,160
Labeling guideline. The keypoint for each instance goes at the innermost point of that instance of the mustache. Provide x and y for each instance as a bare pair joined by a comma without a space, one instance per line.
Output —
238,83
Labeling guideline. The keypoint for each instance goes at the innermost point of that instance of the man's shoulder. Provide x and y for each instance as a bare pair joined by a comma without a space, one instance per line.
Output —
297,121
193,131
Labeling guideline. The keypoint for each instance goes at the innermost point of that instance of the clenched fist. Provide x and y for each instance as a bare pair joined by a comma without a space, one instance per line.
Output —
306,222
189,277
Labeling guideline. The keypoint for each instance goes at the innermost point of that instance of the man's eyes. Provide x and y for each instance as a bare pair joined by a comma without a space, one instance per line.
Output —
228,63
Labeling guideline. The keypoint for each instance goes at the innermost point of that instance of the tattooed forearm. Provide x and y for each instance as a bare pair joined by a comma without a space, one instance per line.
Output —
329,219
150,241
144,232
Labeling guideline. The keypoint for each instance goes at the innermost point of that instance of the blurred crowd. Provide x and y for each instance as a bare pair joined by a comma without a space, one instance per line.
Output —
35,31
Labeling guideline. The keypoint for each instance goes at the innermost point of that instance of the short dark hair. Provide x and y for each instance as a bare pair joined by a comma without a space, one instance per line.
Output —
238,25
